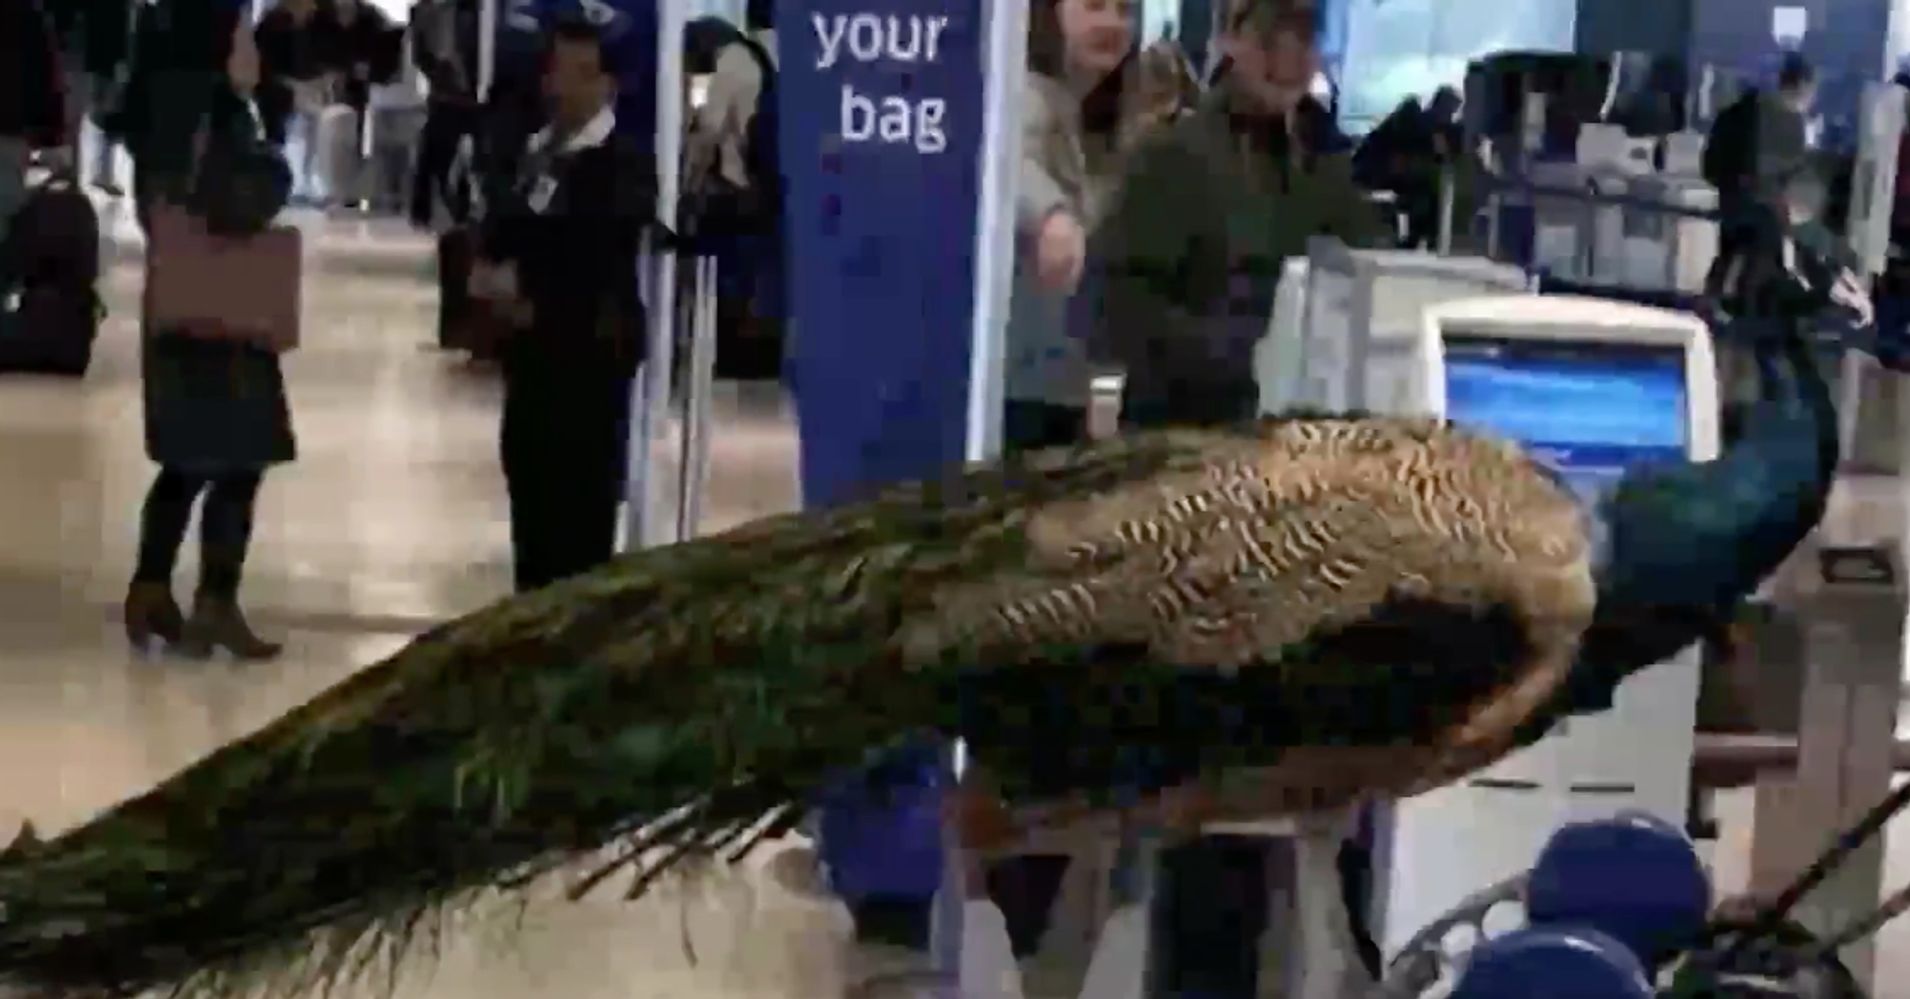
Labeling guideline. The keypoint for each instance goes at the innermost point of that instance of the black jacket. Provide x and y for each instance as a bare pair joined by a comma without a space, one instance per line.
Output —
576,257
98,31
1194,245
32,94
443,36
288,51
368,44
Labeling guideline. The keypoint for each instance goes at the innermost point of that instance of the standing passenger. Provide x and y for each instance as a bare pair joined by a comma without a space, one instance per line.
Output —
561,255
1079,110
1194,251
216,410
1207,216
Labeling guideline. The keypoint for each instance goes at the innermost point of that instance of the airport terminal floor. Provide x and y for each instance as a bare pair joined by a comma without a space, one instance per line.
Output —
392,518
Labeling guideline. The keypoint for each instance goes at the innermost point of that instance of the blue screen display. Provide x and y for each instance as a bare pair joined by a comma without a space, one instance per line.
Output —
1592,411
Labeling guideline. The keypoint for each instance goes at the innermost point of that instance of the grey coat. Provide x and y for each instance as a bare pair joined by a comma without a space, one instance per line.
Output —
1061,170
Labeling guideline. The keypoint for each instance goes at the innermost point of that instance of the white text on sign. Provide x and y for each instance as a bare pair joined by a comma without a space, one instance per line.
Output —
868,38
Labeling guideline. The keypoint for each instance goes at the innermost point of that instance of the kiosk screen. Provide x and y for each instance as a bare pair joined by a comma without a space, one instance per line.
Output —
1590,410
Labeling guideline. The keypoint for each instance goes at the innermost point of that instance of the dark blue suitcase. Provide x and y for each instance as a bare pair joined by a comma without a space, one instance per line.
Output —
50,310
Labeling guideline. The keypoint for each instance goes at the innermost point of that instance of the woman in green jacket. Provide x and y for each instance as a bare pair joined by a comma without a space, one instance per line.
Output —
1207,215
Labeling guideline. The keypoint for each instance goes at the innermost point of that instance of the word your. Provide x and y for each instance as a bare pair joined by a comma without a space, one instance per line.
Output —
867,38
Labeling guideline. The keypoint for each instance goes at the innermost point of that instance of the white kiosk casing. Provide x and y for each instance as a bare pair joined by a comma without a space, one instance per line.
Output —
1684,153
1359,320
1663,251
1279,359
1442,846
1873,184
1612,161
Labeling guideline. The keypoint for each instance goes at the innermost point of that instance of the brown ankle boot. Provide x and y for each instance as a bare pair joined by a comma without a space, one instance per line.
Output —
151,612
218,624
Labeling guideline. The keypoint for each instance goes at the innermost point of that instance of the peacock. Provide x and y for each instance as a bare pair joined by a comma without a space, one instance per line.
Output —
1337,606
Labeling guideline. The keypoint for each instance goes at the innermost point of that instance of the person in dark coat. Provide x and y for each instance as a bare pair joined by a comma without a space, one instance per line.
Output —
560,256
32,102
443,37
1754,146
1194,249
96,35
216,410
1196,240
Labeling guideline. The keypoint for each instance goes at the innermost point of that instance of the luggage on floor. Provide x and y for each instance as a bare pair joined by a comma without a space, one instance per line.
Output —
49,269
464,323
49,330
54,236
395,136
337,157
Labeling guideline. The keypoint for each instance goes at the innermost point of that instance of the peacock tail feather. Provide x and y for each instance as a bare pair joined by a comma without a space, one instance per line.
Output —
1343,607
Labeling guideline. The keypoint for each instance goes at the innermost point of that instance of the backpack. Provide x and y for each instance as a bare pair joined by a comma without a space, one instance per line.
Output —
1730,149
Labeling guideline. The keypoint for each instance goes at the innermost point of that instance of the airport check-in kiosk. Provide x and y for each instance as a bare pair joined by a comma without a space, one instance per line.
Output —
1593,387
1350,340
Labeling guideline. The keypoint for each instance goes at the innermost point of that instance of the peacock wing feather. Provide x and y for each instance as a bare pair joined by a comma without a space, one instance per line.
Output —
1356,596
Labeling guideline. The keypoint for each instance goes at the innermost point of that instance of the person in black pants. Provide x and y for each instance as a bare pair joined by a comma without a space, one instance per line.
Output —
216,410
1756,144
560,257
443,36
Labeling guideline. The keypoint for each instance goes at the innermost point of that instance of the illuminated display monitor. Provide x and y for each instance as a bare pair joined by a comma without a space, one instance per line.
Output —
1592,410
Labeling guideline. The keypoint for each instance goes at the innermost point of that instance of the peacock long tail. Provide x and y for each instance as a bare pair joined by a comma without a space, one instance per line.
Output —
1355,606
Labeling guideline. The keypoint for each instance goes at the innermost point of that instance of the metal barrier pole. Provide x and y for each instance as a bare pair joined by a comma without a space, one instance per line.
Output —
1447,178
1494,206
695,464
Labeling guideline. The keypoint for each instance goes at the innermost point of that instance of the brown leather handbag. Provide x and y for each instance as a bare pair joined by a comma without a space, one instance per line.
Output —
223,287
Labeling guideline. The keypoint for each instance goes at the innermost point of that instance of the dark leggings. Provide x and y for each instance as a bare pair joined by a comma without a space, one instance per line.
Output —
225,527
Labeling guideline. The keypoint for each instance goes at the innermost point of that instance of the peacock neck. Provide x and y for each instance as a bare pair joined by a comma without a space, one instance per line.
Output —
1812,405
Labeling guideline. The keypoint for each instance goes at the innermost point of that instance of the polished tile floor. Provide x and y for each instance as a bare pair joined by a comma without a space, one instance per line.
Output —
392,518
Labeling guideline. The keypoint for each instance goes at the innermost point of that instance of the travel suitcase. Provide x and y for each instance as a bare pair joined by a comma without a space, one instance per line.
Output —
395,135
464,323
54,236
49,330
338,154
49,267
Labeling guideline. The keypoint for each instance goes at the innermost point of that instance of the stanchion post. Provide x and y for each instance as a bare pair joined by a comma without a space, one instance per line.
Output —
1448,176
645,523
695,455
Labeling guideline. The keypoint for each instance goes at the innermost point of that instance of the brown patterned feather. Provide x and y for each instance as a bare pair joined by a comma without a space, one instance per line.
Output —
1311,527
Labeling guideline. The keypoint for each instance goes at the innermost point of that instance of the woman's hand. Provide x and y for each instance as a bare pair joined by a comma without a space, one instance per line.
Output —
1061,251
1849,293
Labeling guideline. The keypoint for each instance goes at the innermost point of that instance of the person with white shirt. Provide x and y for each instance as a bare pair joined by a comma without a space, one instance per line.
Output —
556,258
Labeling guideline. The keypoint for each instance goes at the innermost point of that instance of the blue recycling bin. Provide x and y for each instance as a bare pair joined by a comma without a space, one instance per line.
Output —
1554,963
880,830
1633,877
